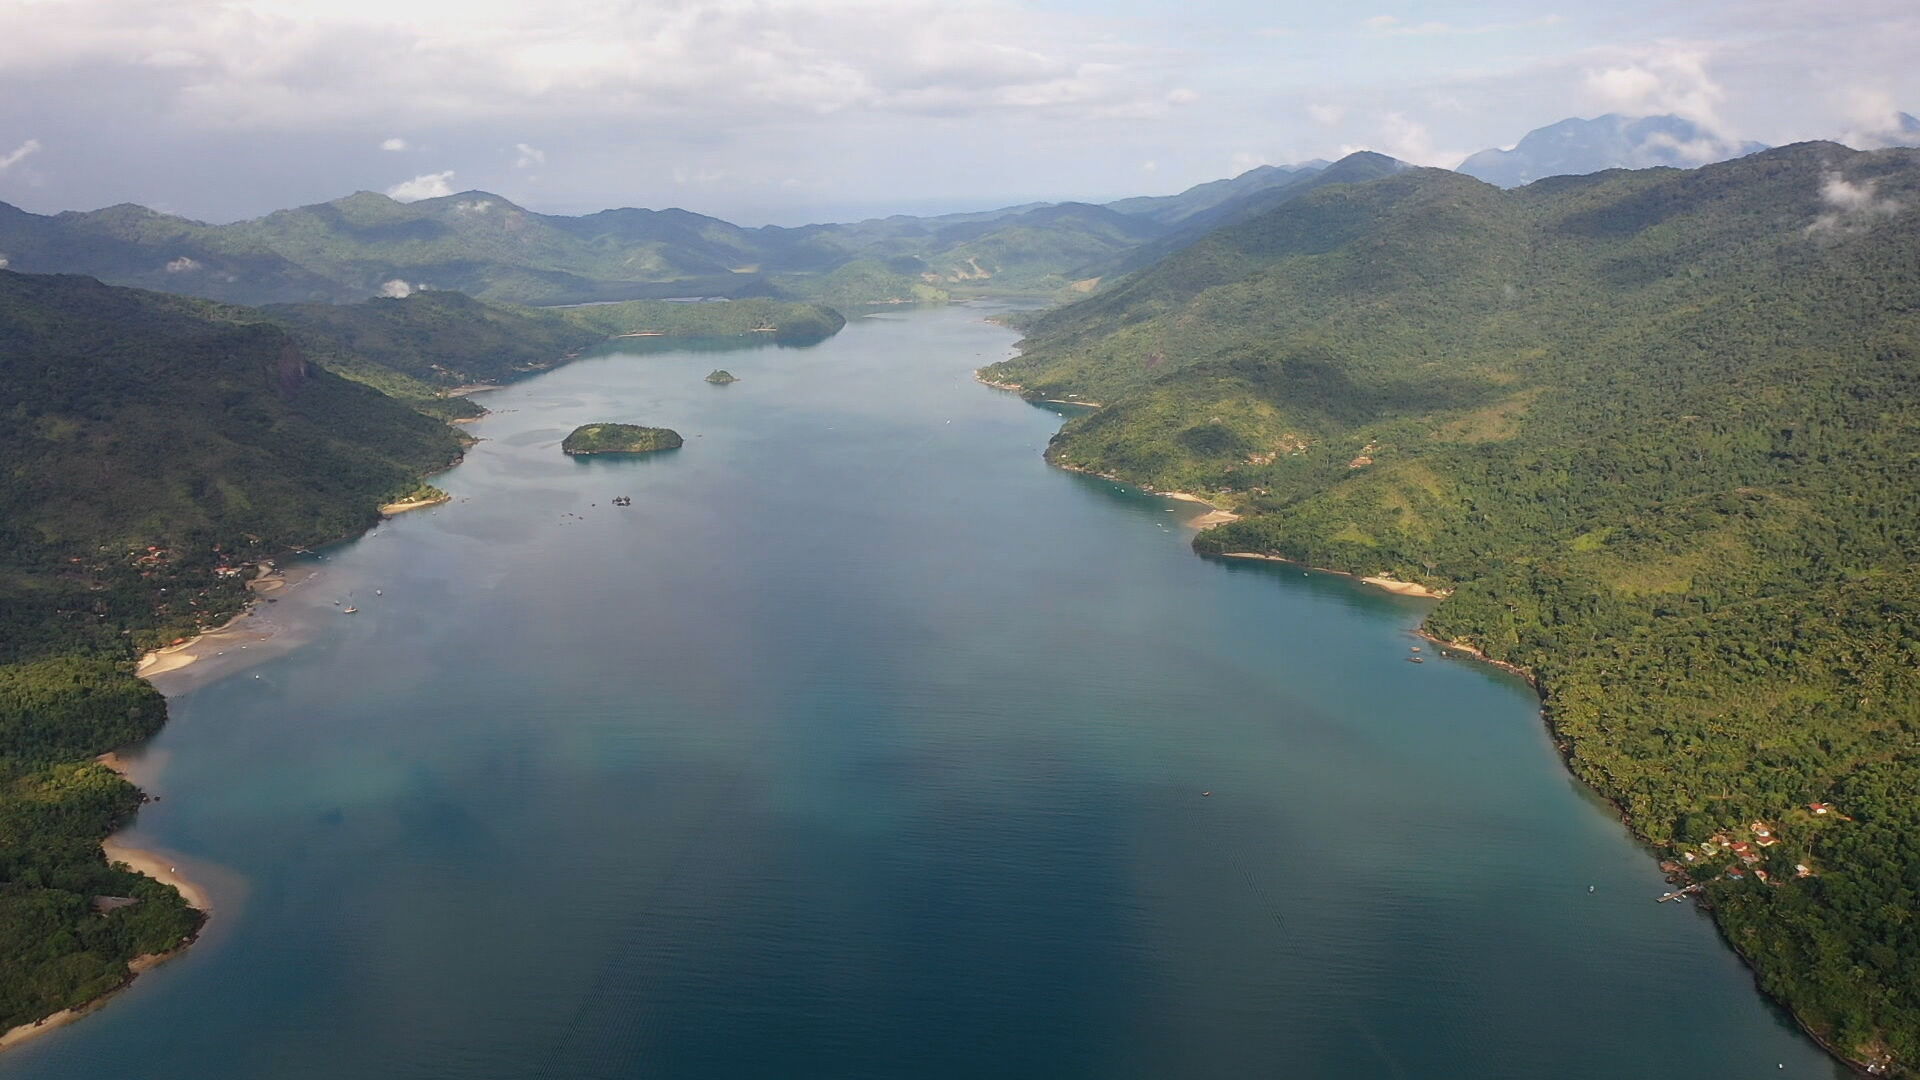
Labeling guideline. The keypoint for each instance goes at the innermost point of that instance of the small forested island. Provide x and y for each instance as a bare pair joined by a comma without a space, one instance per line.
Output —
721,377
619,439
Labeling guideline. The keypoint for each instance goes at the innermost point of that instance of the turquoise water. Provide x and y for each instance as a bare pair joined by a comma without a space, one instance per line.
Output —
864,744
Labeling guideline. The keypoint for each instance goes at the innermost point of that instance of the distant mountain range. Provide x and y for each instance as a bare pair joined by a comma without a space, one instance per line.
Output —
477,242
1575,147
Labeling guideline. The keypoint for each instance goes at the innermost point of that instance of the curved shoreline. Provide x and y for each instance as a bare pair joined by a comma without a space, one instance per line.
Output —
392,508
1475,654
237,632
55,1021
150,863
1378,581
162,667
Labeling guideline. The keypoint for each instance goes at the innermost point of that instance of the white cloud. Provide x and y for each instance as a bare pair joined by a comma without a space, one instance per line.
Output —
1400,136
1851,208
182,265
5,262
1662,79
397,290
1873,121
256,63
395,143
424,186
1182,96
18,154
1327,115
530,157
473,206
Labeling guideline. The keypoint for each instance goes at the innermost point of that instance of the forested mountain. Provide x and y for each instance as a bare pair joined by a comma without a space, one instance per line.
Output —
148,439
482,244
1575,147
1656,431
417,347
139,416
131,245
1250,203
1174,209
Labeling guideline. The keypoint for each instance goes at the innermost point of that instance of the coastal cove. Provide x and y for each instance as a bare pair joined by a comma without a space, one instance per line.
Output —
865,743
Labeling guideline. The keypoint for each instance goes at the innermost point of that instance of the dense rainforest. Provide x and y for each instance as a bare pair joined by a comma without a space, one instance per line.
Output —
1658,432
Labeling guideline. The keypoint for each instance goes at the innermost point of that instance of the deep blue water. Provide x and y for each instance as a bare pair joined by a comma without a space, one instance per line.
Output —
864,744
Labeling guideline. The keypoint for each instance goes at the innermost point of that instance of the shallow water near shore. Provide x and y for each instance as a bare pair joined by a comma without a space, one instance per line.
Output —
864,744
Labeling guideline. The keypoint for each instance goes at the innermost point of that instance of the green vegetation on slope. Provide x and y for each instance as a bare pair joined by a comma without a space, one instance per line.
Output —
1657,431
482,244
150,443
419,347
783,321
55,805
606,438
441,339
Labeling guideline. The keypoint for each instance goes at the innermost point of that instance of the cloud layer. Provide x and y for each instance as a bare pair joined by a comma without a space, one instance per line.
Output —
792,109
424,186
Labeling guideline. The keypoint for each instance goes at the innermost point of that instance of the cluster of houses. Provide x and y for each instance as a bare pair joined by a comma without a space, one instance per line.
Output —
1749,849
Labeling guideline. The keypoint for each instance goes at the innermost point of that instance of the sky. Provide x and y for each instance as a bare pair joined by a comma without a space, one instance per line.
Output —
788,111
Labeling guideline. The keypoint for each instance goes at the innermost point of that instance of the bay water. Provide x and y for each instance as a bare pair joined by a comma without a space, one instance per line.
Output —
865,744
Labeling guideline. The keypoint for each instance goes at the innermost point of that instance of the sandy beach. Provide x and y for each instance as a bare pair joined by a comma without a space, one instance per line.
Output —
155,864
393,508
1214,515
247,629
58,1020
1392,585
1406,588
246,638
230,634
159,866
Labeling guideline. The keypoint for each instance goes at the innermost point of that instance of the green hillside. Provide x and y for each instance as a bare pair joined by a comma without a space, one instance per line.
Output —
1657,431
783,321
482,244
148,440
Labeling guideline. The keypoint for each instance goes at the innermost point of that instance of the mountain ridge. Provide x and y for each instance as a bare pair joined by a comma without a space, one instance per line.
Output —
1578,146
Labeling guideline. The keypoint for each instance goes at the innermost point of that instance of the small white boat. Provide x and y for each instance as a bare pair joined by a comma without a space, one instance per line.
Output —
348,611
